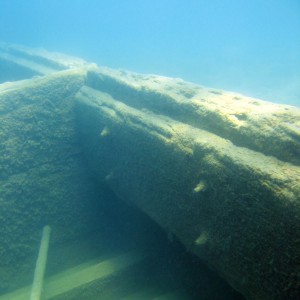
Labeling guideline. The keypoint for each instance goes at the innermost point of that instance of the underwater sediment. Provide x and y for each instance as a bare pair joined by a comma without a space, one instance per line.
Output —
218,170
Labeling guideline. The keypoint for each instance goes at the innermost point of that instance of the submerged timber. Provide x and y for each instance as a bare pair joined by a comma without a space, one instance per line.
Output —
216,170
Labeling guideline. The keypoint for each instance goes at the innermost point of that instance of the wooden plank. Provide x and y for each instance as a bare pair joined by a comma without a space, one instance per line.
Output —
40,268
78,276
214,195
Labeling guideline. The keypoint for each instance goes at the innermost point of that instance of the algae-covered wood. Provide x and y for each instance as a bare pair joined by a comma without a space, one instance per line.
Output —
218,170
247,122
43,178
236,208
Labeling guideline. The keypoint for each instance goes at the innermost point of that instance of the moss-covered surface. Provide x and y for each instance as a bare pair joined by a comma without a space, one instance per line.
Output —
196,160
43,178
237,209
262,126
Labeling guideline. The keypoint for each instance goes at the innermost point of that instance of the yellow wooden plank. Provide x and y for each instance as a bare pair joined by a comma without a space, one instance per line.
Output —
76,277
